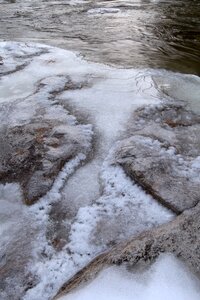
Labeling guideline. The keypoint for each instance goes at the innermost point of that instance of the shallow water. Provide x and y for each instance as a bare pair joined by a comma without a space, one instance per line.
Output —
131,34
138,33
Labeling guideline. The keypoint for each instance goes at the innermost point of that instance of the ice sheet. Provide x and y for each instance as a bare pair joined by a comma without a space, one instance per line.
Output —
167,279
108,206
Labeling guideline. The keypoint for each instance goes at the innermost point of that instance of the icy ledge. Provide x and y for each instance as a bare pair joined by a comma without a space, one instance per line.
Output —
166,279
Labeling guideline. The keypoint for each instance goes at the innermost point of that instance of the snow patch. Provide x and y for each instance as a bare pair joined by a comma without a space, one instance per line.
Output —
166,279
108,206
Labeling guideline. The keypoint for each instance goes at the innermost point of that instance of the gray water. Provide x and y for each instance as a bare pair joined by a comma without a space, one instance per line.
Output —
137,33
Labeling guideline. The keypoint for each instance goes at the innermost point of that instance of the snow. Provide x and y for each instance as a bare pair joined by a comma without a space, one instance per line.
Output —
167,279
120,198
89,189
94,228
107,206
112,99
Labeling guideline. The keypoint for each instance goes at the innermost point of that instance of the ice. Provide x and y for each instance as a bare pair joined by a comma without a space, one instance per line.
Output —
94,228
120,198
167,279
10,199
77,2
91,100
111,100
83,188
179,86
15,239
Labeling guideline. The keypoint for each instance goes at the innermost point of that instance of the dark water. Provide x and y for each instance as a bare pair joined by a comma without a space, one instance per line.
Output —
142,33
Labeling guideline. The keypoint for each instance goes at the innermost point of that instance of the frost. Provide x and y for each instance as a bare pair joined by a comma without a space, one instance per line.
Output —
88,105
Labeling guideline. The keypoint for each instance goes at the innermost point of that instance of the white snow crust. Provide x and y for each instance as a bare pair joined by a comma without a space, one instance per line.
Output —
167,279
107,206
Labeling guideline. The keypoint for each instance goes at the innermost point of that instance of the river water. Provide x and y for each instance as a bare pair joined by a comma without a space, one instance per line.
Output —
137,33
130,36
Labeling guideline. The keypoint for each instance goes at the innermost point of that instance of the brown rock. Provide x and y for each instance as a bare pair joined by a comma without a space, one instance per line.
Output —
180,237
163,158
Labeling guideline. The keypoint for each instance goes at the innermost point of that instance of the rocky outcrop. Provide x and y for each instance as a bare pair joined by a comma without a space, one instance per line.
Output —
162,155
33,155
38,135
34,151
180,237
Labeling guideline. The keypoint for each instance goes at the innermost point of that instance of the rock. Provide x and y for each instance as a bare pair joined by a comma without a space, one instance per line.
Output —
28,157
180,237
162,155
37,186
34,150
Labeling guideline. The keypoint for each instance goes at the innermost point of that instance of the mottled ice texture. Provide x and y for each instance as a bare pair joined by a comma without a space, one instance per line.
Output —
167,279
17,231
97,205
180,87
94,229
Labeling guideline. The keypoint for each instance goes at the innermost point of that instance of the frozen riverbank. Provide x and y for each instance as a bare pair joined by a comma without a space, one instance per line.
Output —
62,119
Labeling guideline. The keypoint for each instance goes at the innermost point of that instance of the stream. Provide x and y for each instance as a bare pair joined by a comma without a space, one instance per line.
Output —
138,33
116,56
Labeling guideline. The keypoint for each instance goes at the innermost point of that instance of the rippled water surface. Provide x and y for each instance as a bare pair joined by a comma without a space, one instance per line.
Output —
96,206
137,33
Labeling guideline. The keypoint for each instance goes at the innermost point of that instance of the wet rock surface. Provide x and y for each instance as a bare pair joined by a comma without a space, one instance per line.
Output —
163,154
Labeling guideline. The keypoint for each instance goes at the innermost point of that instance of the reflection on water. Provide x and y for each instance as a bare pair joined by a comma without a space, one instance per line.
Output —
138,33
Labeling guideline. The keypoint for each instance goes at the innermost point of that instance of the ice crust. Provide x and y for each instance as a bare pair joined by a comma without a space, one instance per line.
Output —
167,279
180,87
107,206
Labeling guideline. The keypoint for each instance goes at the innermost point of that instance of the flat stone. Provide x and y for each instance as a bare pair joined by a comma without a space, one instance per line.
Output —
34,153
162,155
